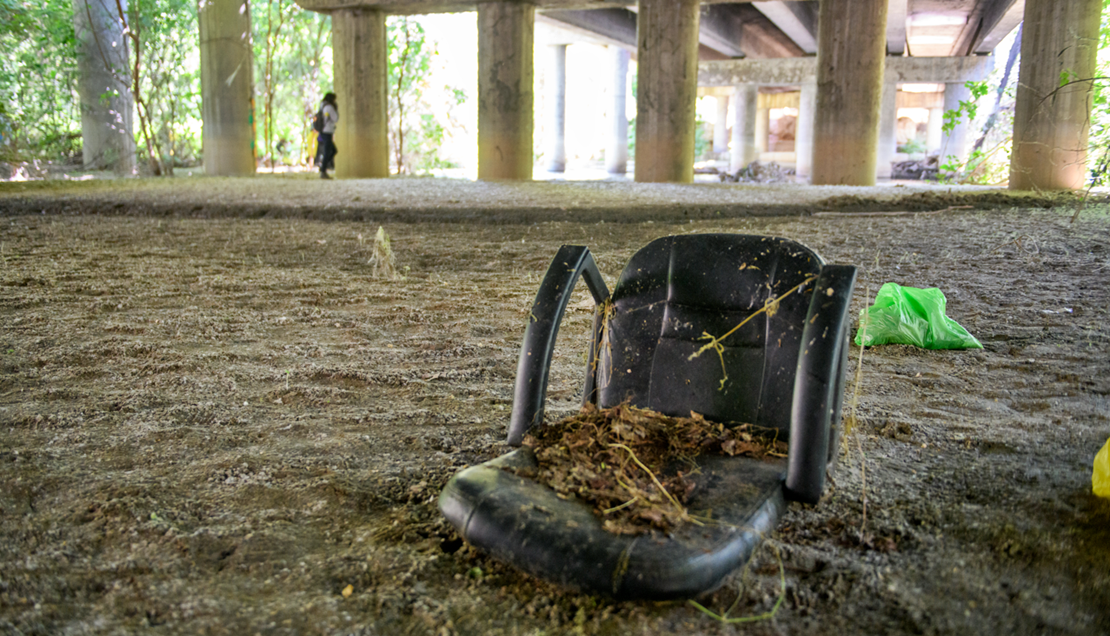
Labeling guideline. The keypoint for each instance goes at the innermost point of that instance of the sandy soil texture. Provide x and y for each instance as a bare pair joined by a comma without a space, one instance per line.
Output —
229,426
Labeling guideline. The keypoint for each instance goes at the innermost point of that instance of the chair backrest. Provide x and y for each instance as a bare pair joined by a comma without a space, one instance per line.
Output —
677,292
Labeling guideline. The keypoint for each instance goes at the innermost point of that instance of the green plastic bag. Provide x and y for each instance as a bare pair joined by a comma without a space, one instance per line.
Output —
908,315
1100,478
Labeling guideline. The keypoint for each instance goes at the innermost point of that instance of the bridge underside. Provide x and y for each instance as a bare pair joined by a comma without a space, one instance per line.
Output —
735,49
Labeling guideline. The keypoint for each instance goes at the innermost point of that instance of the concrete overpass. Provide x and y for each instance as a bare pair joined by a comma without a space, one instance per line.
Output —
848,57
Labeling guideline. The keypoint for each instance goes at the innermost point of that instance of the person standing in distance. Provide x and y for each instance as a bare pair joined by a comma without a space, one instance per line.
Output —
331,116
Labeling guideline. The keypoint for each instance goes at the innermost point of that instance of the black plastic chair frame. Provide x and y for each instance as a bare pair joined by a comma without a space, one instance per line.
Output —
816,399
570,263
523,522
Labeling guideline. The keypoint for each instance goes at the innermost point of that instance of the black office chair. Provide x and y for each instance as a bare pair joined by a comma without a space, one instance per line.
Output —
785,372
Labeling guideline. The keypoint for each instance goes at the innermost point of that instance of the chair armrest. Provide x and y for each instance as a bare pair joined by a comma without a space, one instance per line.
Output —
815,382
571,262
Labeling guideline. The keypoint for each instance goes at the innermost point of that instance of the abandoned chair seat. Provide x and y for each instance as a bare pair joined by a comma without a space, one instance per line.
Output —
782,371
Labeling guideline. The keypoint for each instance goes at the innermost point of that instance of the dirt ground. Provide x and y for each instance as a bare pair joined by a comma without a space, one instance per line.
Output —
228,426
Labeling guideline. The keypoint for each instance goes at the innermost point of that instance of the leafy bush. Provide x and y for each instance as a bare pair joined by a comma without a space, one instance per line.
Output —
39,114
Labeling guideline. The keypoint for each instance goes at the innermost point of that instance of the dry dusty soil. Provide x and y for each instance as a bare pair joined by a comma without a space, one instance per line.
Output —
228,425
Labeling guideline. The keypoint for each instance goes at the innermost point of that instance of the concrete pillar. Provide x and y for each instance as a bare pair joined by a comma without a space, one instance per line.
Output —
667,81
888,131
851,48
226,85
359,47
745,100
557,149
934,131
616,153
720,126
954,142
762,128
107,140
505,42
803,134
1052,122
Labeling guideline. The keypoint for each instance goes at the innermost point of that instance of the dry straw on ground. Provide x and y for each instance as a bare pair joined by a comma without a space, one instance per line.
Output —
385,265
633,464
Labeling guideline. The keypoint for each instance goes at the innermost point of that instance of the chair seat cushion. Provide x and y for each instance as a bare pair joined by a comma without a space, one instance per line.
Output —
737,499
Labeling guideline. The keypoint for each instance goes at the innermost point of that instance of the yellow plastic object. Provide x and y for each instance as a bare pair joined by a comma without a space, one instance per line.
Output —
1100,479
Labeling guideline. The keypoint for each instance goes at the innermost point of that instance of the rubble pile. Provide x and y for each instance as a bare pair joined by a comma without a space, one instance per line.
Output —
756,172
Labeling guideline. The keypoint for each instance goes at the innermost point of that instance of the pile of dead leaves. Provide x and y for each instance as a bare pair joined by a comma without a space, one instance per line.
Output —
632,464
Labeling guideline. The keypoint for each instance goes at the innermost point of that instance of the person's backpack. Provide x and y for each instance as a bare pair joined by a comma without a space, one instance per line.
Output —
318,121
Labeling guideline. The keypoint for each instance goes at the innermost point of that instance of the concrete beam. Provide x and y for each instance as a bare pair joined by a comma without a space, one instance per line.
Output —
920,100
792,99
412,7
721,30
938,70
896,13
760,38
796,71
982,20
771,72
797,20
999,20
781,99
603,26
725,31
505,97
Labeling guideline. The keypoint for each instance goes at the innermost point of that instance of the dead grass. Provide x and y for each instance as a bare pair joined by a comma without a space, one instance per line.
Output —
633,465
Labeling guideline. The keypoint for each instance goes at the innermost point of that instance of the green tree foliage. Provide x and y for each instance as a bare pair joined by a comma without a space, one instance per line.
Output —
1098,148
165,80
988,161
415,133
292,53
970,169
39,105
39,113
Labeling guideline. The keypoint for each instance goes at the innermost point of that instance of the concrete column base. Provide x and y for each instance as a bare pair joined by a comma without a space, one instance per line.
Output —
762,129
505,98
953,144
667,41
557,149
720,127
226,85
934,132
359,46
1052,122
851,53
745,106
616,153
107,138
888,131
803,135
